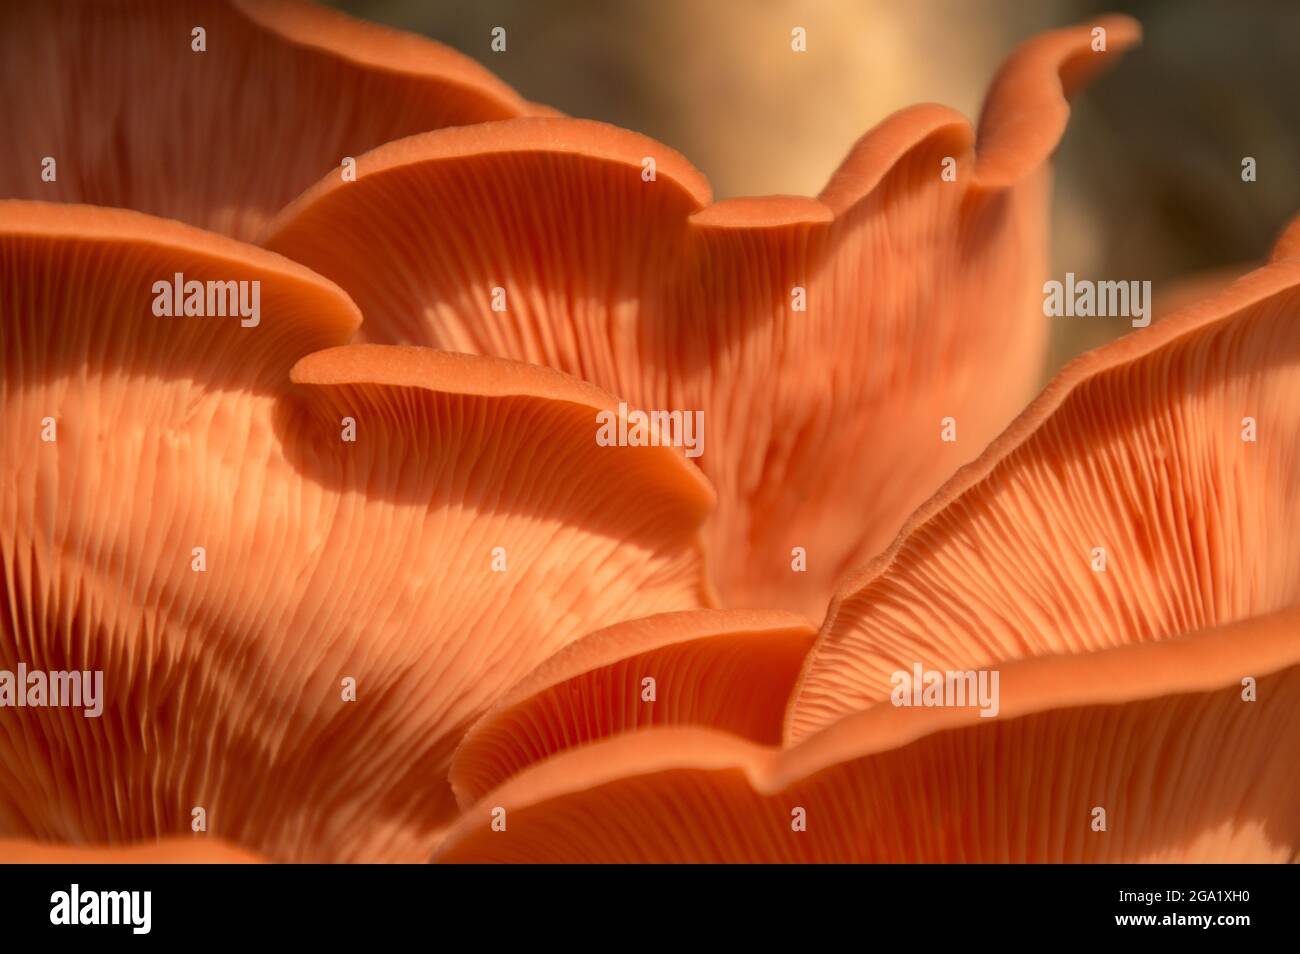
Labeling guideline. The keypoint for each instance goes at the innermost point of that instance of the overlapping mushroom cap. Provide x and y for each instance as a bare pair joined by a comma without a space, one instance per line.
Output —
1149,492
827,341
133,114
341,593
1160,687
235,553
730,670
1156,735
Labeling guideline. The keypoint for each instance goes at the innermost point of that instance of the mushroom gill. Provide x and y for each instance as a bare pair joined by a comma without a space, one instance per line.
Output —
1144,752
1149,491
299,594
828,342
731,670
118,103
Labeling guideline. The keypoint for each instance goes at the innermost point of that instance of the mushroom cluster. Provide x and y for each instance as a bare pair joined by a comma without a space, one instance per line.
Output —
313,337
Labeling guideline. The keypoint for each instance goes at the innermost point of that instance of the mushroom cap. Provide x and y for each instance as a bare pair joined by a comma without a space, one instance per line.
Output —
1144,713
730,670
323,559
282,93
823,339
1156,734
1126,504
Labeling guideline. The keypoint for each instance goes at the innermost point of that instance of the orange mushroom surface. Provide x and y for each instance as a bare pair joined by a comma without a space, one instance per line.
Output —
299,594
1144,696
213,112
1138,753
847,352
168,851
1150,491
280,586
724,669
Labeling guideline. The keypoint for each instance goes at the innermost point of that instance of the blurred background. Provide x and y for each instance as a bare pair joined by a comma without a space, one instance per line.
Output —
1148,176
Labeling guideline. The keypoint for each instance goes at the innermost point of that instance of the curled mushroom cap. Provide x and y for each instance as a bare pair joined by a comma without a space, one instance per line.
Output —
242,557
1144,752
166,851
825,341
132,114
726,669
1151,490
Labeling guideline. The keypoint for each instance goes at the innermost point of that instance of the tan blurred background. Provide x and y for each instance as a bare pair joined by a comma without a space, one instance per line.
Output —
1149,183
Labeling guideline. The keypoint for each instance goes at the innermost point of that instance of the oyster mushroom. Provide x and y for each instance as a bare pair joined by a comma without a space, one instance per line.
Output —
726,669
300,593
1148,492
1159,688
1157,736
132,115
828,342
